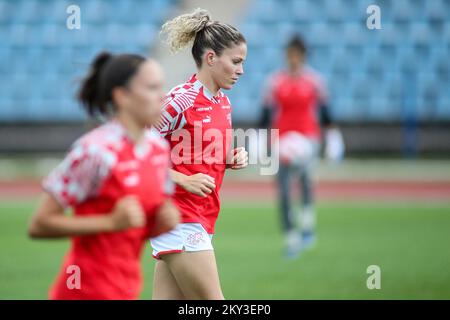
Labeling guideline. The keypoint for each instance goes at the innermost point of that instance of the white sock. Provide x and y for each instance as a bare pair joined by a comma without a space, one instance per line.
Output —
292,238
308,219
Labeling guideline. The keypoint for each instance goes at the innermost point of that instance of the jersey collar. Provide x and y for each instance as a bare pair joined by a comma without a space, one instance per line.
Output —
141,149
208,94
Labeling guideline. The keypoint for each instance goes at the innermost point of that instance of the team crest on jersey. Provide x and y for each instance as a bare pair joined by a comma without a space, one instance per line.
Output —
132,180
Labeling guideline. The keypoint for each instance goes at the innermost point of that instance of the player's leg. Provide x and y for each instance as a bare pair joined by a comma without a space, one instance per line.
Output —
165,286
308,213
292,240
284,197
196,274
308,219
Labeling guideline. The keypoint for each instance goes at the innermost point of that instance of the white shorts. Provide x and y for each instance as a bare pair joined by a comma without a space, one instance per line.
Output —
184,237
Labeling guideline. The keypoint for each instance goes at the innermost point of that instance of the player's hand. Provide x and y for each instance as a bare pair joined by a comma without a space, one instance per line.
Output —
334,145
127,213
200,184
239,159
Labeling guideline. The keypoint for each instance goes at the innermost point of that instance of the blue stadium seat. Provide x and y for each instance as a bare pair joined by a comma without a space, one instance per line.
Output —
7,9
390,34
268,11
443,109
340,61
421,34
437,10
354,34
404,11
370,72
346,109
40,53
321,34
252,31
144,34
337,11
283,31
57,10
304,11
381,108
5,60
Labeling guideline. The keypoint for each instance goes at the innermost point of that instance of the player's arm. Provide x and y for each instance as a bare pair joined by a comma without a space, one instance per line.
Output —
266,116
325,115
334,142
74,180
172,119
50,220
268,105
200,184
167,215
326,119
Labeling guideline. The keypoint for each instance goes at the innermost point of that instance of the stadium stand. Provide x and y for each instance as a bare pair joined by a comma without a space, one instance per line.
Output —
373,75
385,75
41,60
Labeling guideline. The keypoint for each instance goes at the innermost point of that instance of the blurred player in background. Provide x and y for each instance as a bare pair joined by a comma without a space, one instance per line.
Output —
295,103
116,180
186,266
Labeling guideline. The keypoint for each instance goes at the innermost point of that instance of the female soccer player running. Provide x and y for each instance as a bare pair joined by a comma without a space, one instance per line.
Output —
186,266
296,100
116,180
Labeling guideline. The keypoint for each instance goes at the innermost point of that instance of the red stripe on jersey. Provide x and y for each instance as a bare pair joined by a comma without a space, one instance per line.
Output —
178,122
165,120
171,110
159,125
183,102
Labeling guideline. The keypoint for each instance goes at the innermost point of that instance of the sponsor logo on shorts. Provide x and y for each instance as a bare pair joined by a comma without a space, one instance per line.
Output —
195,238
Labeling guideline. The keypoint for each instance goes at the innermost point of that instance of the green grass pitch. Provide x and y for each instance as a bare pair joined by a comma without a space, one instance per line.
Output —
408,241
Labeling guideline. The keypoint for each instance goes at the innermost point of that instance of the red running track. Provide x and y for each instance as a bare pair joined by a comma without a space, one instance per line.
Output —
325,190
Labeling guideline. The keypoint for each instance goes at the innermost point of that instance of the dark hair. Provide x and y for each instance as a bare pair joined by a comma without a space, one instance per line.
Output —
107,72
198,27
297,43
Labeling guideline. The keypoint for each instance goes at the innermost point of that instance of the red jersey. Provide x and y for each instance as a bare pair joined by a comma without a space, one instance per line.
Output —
198,128
296,98
103,166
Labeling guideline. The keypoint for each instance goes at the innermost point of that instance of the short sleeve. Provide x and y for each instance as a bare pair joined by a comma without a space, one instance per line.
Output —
79,175
172,115
321,87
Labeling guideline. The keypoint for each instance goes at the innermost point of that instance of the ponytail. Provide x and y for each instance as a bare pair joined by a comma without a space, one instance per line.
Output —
198,29
89,91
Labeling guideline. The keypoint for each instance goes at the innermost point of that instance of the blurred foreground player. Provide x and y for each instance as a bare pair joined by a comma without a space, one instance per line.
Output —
295,103
115,178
